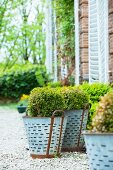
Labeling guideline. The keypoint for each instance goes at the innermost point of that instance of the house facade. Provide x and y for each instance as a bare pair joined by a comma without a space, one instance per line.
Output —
94,40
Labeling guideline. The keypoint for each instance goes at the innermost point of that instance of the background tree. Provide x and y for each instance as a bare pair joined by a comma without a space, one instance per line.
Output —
22,36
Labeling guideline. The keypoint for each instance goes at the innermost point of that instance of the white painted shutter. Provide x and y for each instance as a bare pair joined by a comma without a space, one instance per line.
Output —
55,46
77,42
98,40
48,18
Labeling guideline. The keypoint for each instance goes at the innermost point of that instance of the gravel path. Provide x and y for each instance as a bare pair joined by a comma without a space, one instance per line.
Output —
13,153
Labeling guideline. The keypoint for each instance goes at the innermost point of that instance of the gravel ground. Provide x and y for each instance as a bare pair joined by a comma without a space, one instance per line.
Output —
15,156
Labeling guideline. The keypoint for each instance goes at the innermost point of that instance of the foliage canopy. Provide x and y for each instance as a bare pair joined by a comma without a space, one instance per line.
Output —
21,31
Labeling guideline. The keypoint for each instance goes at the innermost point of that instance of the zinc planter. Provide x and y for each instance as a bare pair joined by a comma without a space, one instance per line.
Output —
99,150
45,135
21,109
76,122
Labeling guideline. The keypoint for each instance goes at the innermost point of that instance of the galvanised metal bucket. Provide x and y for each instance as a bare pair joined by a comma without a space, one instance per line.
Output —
99,150
76,122
45,135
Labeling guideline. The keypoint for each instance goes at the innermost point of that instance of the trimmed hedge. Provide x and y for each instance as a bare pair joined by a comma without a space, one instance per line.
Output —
21,81
43,101
74,98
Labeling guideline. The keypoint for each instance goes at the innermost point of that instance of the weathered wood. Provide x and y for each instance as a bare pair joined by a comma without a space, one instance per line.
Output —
110,72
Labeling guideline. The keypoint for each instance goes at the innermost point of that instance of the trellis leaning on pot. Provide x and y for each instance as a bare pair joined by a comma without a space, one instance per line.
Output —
76,111
99,139
44,126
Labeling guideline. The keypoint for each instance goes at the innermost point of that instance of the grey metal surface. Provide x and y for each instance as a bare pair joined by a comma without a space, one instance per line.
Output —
72,131
38,130
100,151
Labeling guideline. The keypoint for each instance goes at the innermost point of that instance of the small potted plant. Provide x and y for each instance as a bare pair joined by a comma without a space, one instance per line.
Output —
99,139
22,104
76,111
45,123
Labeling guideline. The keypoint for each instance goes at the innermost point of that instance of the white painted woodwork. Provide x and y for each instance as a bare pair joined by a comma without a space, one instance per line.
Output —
77,52
55,48
98,41
48,17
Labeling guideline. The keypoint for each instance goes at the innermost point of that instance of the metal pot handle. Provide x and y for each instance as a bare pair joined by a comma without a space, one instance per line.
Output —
86,106
51,130
56,111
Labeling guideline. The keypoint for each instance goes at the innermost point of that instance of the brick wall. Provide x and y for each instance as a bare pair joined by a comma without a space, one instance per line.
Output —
83,20
84,65
111,40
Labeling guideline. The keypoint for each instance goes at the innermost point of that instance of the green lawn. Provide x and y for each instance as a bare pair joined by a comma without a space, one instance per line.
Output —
8,105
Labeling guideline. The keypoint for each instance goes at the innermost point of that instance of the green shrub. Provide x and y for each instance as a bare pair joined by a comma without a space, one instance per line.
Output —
93,108
74,98
23,100
103,119
4,69
54,84
95,90
22,80
43,101
92,114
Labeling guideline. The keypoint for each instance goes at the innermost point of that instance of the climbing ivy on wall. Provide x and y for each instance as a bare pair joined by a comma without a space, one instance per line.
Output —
65,31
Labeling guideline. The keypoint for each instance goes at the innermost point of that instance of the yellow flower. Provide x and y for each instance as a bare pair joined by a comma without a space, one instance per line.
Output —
24,97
